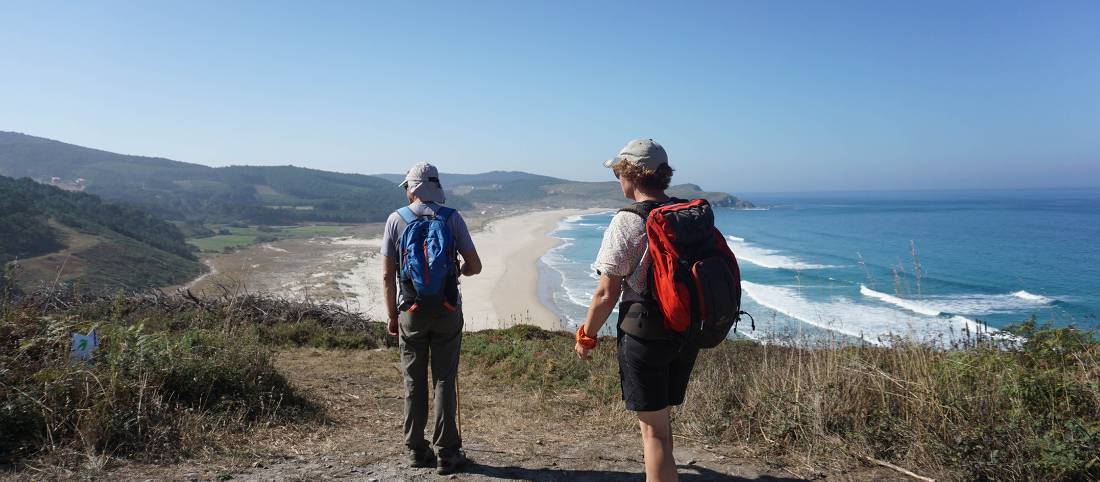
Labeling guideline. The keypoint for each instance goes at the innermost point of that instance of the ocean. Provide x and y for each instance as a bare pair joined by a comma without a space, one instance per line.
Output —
931,265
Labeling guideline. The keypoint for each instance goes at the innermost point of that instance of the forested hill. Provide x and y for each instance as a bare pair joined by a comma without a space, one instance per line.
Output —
285,194
179,190
497,187
77,237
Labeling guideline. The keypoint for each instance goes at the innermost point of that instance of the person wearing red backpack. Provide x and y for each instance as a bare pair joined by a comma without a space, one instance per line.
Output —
421,245
678,290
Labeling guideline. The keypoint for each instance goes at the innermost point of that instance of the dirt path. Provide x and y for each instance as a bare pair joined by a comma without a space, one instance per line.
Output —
510,433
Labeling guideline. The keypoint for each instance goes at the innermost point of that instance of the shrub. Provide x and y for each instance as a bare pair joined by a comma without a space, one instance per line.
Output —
311,333
145,392
543,360
976,412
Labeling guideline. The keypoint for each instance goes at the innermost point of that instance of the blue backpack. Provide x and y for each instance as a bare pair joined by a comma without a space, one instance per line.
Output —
428,271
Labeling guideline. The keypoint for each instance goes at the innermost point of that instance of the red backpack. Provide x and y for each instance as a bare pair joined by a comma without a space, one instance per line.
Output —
694,277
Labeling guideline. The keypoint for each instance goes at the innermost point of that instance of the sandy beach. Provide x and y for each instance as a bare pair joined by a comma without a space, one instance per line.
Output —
505,293
348,270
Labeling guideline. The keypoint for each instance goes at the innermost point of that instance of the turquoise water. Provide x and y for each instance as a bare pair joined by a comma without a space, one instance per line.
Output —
843,264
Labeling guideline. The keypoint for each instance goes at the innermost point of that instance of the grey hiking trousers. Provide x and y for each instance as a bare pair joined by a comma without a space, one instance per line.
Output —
435,339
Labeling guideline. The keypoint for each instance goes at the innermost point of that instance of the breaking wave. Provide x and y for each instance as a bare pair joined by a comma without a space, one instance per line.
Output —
1024,295
968,304
768,258
894,300
874,324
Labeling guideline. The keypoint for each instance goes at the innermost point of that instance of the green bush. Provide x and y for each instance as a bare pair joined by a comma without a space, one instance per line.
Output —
311,333
144,392
543,360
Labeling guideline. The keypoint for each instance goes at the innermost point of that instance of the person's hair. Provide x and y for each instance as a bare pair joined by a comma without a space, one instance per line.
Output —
644,179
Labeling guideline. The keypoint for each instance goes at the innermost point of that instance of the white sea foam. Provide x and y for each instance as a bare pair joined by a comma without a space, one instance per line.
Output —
1024,295
966,304
875,324
768,258
580,297
987,304
894,300
557,261
576,218
877,318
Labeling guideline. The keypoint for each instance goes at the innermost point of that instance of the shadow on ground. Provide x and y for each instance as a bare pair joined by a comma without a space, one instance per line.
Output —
689,473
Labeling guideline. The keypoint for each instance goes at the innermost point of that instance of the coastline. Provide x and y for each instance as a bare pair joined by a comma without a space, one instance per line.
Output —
508,290
515,285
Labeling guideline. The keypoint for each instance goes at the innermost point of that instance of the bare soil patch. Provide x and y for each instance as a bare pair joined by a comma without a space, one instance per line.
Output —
509,433
296,268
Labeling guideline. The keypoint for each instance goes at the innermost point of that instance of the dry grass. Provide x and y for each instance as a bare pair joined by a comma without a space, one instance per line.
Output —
981,412
975,410
149,392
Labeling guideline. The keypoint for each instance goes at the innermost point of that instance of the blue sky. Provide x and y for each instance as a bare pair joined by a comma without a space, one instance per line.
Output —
746,96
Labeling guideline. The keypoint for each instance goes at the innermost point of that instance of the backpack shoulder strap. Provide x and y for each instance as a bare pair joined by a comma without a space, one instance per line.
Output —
443,212
641,208
407,215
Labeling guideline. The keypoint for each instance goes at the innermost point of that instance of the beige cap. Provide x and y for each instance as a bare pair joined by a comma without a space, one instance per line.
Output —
423,182
646,153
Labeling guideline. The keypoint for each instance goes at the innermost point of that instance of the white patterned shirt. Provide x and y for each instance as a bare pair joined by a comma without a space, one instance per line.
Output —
625,252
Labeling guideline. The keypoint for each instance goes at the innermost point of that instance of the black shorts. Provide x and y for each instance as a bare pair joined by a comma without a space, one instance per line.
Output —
654,373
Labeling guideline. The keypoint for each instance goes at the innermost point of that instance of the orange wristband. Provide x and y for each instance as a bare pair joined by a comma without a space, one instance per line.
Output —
585,340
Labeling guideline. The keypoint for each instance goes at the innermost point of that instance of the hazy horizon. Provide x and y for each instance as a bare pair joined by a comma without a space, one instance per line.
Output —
853,96
677,179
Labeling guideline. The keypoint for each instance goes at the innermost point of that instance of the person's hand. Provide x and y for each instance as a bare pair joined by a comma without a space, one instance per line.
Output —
464,269
582,352
392,326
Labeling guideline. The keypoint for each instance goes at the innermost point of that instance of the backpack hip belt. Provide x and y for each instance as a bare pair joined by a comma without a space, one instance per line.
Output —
644,320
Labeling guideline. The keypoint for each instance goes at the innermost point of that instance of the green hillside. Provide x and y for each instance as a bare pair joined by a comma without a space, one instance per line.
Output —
72,236
481,179
181,191
283,195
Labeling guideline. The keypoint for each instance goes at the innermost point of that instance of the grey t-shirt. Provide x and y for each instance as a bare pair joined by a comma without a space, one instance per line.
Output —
625,252
394,225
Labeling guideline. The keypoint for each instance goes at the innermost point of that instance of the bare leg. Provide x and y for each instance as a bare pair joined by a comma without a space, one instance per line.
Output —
660,465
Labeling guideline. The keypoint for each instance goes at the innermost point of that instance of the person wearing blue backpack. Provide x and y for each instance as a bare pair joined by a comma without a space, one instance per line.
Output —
421,246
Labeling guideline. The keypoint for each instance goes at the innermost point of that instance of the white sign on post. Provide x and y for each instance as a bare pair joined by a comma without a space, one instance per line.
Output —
83,346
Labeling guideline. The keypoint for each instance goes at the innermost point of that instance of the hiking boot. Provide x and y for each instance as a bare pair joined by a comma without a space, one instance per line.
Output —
421,458
451,463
